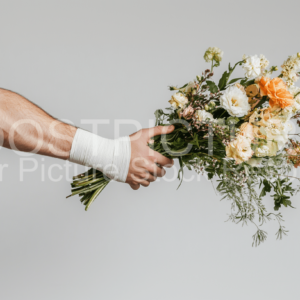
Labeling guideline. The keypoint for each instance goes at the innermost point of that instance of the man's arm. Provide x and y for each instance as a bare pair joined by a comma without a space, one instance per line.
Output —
26,127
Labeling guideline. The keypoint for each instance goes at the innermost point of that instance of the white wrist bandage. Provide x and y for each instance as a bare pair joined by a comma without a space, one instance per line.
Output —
112,157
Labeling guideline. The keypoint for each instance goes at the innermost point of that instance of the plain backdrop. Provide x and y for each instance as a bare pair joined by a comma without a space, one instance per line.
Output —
114,60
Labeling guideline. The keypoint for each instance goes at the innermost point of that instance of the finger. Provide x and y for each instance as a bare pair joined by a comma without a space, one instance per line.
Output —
145,183
155,170
149,177
134,186
162,160
159,130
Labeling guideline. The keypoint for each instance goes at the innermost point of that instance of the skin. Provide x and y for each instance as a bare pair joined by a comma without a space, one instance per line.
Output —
26,127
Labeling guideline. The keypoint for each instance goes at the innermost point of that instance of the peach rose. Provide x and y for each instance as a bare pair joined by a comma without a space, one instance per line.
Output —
277,91
247,130
188,113
258,134
239,149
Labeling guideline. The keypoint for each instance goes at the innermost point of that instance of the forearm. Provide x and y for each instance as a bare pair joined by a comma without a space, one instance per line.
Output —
26,127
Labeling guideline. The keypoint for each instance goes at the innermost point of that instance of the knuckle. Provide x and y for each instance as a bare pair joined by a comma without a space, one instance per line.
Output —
152,159
136,187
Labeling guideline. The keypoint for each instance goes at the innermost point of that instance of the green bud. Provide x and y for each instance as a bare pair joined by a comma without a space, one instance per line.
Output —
206,107
212,104
173,88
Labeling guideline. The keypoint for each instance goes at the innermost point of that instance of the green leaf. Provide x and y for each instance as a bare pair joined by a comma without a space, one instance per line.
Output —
183,86
267,185
245,83
263,193
212,86
234,80
210,176
223,80
232,120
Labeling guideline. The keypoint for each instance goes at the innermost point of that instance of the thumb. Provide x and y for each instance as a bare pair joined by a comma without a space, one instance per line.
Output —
159,130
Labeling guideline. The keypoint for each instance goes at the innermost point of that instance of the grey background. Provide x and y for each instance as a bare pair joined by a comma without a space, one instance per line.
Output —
114,60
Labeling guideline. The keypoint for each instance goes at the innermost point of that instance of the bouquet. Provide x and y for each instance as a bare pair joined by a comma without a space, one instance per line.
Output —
237,130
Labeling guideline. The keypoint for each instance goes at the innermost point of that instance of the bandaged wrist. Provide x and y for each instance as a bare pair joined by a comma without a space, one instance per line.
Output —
112,157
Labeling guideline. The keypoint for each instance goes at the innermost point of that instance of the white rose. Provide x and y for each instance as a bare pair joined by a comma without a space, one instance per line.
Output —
178,100
252,66
203,115
235,102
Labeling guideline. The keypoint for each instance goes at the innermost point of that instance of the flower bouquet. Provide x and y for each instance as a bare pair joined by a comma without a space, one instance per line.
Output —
235,130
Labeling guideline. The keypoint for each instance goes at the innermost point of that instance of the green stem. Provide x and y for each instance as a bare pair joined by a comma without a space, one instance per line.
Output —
95,195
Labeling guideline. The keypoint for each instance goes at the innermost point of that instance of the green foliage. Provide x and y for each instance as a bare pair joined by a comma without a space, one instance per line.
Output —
212,86
226,75
232,121
235,80
245,82
159,116
282,188
223,80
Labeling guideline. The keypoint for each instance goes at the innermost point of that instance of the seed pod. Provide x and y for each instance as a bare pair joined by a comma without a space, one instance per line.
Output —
252,90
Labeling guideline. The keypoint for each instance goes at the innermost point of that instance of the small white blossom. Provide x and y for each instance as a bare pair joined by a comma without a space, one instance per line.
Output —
290,68
203,115
252,66
263,62
288,112
213,53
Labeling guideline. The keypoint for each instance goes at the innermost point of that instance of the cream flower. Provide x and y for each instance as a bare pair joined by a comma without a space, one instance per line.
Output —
189,87
203,115
276,130
246,130
178,100
288,112
213,53
295,91
239,149
270,149
235,102
252,66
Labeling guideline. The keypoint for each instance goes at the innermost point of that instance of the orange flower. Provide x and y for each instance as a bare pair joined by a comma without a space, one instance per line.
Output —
277,91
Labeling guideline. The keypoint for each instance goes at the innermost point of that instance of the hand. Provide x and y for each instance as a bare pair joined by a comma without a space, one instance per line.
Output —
143,167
